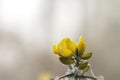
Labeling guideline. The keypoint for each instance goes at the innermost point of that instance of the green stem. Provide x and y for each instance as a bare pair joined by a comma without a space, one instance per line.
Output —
76,64
77,58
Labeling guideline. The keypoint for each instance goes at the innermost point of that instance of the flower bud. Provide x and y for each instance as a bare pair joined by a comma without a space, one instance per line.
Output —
81,46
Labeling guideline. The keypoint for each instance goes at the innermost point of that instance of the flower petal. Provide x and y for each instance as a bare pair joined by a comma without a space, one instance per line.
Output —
81,45
66,53
72,46
55,50
62,44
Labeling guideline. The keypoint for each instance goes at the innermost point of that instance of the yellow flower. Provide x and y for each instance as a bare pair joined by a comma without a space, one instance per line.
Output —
66,48
55,50
72,45
81,45
66,52
44,76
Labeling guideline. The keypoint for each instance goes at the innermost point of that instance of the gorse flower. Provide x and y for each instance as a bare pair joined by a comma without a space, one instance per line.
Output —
67,47
45,76
68,50
73,54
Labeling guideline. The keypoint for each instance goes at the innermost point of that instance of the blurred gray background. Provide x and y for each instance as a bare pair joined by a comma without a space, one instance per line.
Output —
28,28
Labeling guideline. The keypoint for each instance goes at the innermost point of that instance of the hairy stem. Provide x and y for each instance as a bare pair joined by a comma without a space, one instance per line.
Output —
88,77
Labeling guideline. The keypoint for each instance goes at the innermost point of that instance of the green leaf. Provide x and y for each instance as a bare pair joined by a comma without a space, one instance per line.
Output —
66,61
83,65
86,55
87,68
80,53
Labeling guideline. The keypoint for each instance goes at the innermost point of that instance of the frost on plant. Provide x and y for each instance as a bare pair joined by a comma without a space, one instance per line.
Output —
73,55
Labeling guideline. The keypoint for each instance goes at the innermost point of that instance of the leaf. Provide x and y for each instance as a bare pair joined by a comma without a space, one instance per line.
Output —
87,68
83,65
86,55
80,53
66,61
